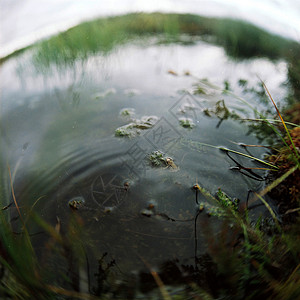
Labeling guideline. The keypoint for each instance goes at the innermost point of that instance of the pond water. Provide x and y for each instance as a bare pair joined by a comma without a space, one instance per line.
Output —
58,136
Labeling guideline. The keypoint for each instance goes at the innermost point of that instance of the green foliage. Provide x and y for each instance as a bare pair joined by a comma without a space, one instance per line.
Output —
186,123
102,36
240,39
19,261
293,58
218,206
243,40
226,201
158,159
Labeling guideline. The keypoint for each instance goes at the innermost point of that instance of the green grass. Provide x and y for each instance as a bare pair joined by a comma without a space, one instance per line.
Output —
240,39
243,40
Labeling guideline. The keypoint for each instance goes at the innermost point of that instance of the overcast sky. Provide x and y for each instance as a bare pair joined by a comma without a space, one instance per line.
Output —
22,22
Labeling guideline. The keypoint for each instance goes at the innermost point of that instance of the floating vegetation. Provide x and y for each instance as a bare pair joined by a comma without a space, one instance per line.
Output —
134,128
77,202
132,92
127,131
198,90
186,123
104,94
159,159
127,112
186,106
221,111
146,122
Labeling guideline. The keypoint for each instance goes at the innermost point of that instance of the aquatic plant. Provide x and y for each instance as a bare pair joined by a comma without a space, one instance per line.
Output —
133,129
162,160
126,130
186,123
220,201
127,112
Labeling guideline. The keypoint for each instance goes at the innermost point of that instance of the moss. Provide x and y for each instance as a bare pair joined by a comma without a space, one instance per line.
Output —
127,112
133,129
157,159
186,123
125,131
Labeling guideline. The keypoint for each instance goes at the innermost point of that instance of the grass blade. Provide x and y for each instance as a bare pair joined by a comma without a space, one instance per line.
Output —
248,156
14,197
281,118
269,120
269,209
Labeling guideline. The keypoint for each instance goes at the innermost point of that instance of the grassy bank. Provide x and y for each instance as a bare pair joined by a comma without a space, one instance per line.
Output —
240,39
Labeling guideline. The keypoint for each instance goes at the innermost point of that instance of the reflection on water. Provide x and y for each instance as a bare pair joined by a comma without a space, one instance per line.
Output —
59,138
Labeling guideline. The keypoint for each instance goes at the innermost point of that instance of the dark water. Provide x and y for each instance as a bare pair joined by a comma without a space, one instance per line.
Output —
58,136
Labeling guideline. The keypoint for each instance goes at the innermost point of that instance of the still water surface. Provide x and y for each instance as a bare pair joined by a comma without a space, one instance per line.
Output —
59,139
